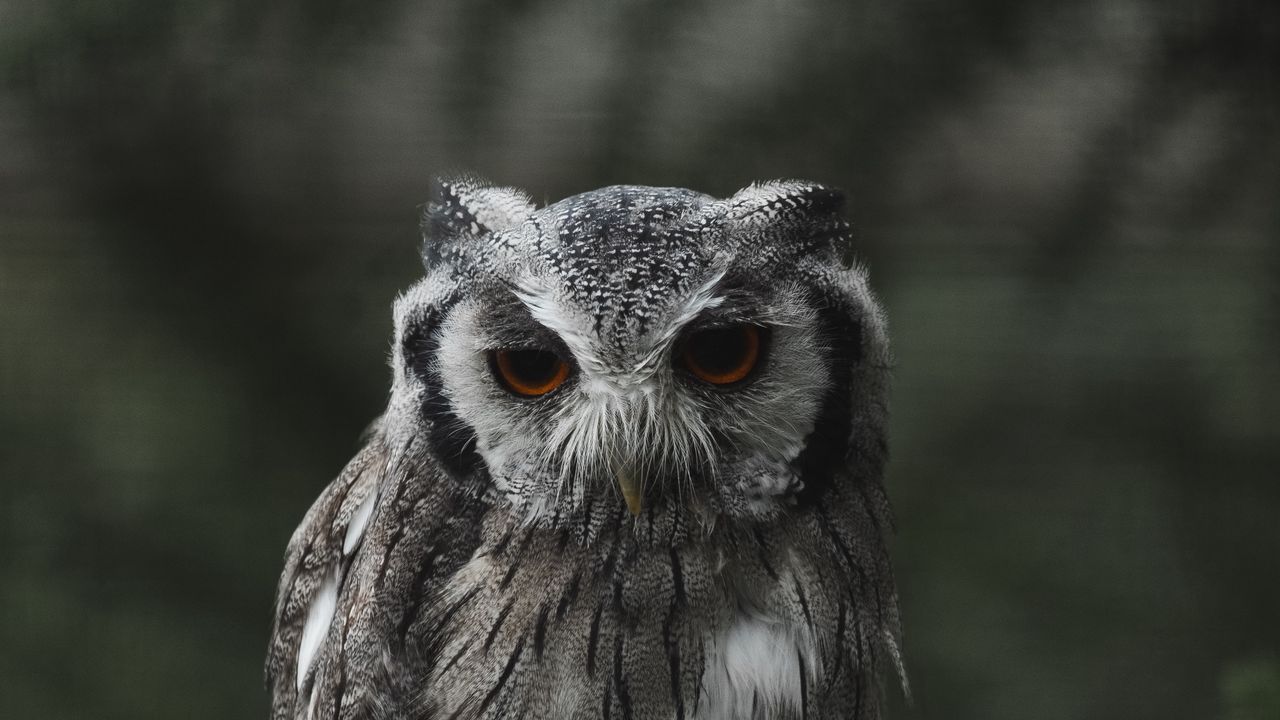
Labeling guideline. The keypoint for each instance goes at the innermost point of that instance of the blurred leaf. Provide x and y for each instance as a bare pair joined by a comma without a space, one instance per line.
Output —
1251,689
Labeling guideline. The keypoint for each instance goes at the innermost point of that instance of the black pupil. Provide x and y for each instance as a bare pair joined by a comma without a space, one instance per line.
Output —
535,367
719,351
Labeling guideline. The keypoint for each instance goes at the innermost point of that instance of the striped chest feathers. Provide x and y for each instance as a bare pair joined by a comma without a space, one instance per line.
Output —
575,647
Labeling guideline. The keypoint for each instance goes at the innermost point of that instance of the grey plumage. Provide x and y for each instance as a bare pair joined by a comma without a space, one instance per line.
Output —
638,541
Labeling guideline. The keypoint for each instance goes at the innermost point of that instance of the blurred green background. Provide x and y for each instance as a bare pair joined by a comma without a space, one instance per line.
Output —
1070,209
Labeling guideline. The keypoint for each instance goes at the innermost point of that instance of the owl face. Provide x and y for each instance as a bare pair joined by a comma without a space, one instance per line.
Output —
651,347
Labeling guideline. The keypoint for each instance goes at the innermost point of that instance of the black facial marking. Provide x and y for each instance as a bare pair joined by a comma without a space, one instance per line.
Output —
827,447
453,441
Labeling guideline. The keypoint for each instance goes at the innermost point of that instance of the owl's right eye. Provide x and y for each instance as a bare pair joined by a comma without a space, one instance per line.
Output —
723,356
528,373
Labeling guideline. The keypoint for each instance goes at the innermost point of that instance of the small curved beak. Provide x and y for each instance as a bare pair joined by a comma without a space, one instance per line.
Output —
632,491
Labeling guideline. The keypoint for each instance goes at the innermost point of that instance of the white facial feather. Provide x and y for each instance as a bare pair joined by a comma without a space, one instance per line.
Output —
702,300
610,420
634,420
638,418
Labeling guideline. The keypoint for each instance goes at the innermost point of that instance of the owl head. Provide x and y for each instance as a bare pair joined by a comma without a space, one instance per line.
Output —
653,348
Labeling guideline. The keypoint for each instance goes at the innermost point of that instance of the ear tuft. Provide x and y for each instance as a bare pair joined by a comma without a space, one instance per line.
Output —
810,211
466,208
783,199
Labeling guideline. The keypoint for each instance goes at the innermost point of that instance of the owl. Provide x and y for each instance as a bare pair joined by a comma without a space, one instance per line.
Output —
630,467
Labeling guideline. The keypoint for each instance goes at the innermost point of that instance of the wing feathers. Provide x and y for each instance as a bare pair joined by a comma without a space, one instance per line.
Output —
319,616
316,563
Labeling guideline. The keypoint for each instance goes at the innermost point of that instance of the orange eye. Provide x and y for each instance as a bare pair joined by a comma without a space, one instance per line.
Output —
723,356
530,373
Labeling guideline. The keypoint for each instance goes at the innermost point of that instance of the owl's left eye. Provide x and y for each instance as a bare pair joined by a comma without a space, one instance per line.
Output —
723,356
529,373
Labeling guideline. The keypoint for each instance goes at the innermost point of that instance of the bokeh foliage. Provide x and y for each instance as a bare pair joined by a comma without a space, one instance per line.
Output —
1070,209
